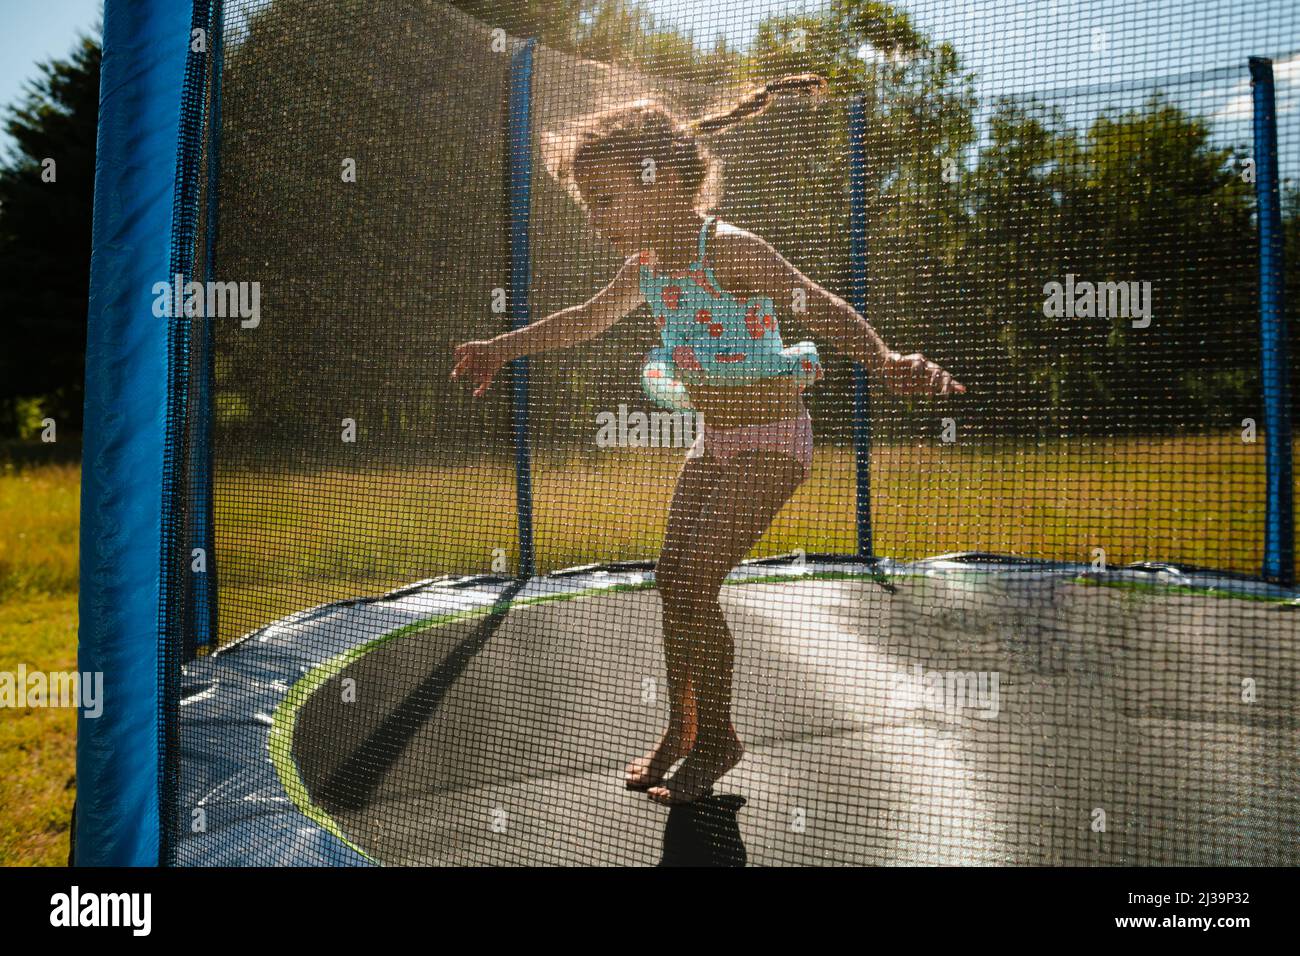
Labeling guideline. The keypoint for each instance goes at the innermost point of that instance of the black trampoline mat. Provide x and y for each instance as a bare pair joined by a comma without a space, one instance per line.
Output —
1120,734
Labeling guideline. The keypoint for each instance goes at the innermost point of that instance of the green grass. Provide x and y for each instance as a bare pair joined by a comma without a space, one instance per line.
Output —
38,530
38,627
290,541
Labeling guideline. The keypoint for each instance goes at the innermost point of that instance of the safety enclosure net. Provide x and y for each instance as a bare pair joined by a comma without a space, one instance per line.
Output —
1046,618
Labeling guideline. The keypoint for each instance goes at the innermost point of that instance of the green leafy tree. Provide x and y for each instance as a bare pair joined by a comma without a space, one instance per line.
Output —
1143,194
556,23
45,239
917,109
626,34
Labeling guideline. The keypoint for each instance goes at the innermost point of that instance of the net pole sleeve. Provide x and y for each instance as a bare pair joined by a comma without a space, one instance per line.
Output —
520,145
204,600
1275,371
858,283
128,385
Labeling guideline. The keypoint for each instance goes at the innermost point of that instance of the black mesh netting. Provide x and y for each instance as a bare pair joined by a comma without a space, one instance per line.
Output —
1058,203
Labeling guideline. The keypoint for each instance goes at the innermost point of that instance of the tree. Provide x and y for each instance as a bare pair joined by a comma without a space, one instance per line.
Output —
1142,193
45,226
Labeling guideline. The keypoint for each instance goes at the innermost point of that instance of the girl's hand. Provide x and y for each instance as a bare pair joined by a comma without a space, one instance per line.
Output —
479,362
916,375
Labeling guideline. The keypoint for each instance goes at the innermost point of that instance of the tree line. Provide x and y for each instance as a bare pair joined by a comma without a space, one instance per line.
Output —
973,209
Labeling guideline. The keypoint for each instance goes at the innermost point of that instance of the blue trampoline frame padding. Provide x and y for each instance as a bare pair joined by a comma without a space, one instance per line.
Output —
119,755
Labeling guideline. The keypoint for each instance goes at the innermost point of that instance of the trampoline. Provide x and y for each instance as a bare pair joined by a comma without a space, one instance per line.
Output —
497,735
350,615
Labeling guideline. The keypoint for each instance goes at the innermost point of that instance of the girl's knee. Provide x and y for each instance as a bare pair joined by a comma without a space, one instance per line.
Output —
676,596
685,595
667,578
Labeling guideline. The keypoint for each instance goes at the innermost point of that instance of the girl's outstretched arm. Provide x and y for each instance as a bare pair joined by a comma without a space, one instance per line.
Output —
745,261
480,361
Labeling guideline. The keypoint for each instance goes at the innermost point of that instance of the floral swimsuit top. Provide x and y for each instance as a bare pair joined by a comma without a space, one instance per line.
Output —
708,336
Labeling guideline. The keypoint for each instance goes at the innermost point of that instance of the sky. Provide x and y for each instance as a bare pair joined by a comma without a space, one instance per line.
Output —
32,31
1012,45
1079,46
1034,45
1025,42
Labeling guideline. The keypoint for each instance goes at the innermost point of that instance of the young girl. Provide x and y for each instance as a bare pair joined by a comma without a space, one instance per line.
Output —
712,288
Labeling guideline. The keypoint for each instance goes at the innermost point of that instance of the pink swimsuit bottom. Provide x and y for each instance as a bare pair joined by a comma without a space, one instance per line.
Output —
789,436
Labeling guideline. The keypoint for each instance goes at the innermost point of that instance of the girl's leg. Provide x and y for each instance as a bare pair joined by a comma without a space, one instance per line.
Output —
691,493
744,495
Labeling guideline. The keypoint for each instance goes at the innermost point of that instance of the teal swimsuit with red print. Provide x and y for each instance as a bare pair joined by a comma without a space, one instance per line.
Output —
710,336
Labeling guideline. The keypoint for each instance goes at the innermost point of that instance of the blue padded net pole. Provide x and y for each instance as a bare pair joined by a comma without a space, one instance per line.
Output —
520,144
203,601
1279,515
119,753
858,279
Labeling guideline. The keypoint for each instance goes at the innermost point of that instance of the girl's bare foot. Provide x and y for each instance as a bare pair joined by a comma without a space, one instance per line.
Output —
704,766
648,771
